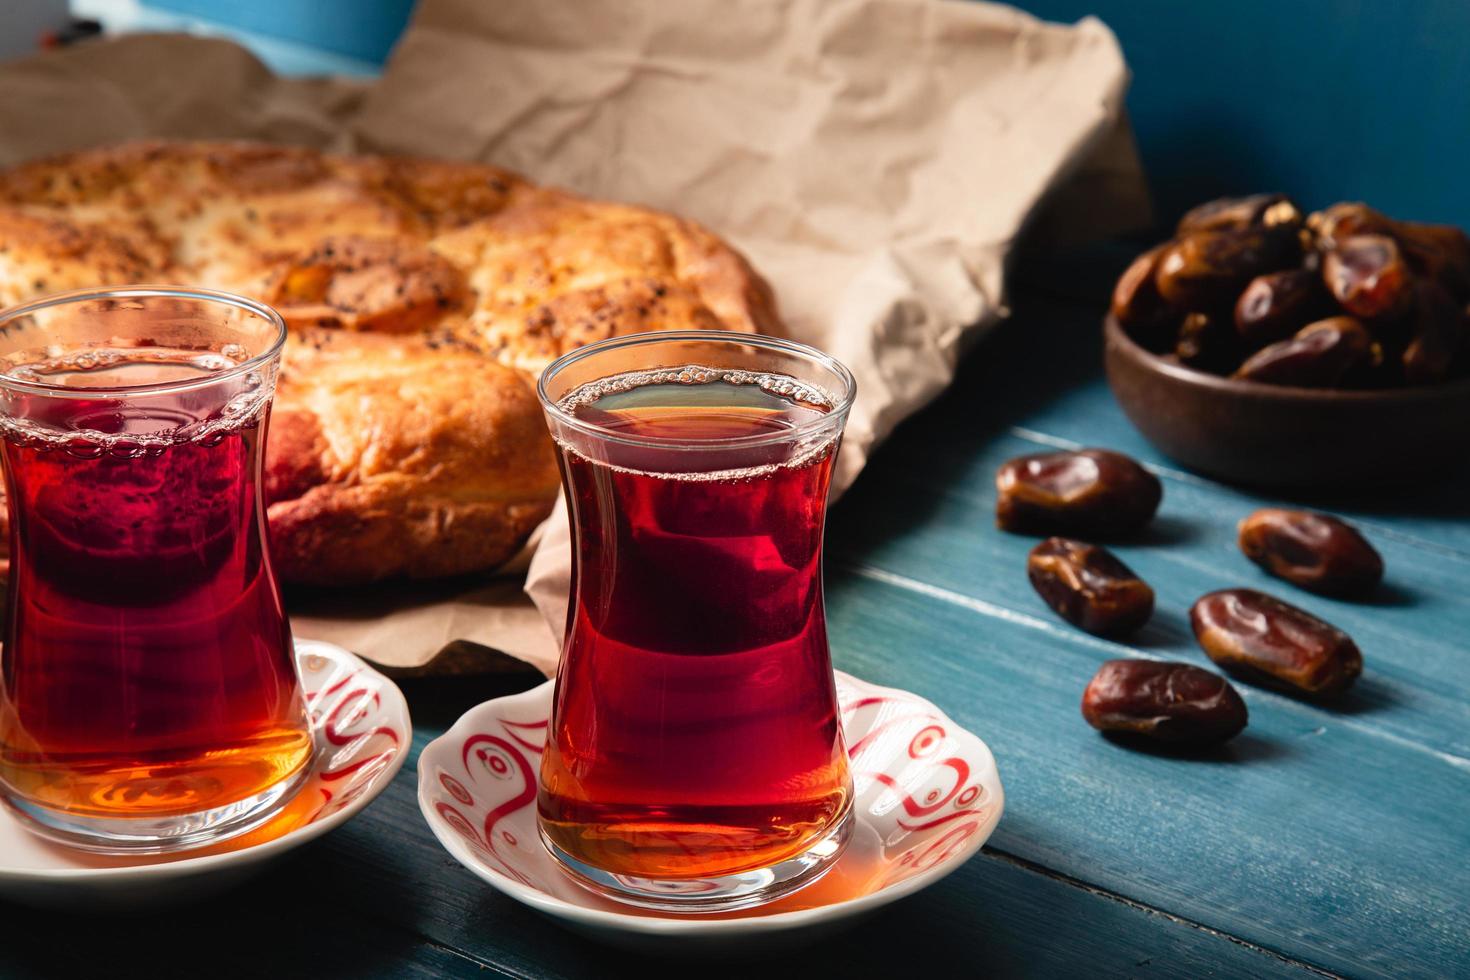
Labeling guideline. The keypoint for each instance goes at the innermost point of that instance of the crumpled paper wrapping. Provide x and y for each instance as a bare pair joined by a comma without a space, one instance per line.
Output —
875,159
163,86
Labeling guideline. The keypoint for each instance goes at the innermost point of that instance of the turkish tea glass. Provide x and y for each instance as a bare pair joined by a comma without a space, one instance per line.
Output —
695,759
149,700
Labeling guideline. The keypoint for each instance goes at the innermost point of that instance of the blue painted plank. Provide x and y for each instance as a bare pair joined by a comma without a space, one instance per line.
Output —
1416,685
289,923
1305,835
1317,829
925,507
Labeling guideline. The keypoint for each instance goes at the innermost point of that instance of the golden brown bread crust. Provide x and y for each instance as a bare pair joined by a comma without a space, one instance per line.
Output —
367,284
331,238
388,456
376,459
551,272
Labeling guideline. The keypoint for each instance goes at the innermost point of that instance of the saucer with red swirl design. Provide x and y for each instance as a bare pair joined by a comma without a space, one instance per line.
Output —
927,795
359,721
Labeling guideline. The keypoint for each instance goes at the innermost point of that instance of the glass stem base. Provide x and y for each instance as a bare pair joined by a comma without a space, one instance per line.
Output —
157,835
724,893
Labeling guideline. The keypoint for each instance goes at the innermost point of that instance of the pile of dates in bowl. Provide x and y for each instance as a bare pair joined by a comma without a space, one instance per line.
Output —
1268,346
1342,298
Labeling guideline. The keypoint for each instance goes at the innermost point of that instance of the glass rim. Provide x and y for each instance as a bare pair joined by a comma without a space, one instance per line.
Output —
842,400
203,295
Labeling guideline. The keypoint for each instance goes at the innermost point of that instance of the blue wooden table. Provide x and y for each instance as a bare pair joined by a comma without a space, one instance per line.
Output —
1322,840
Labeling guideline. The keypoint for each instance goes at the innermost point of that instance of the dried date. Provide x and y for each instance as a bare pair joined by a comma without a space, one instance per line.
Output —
1335,225
1320,355
1091,491
1343,298
1276,305
1208,342
1167,702
1261,638
1228,213
1315,551
1089,587
1438,334
1439,252
1368,277
1207,269
1137,305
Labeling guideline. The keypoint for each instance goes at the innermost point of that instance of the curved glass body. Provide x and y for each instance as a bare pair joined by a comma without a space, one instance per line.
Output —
148,691
695,758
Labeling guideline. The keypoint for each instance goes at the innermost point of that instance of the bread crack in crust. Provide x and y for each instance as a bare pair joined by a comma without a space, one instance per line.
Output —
367,284
422,296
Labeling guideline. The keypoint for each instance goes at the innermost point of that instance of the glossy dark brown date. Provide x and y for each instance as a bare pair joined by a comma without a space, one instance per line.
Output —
1344,298
1440,252
1320,355
1276,305
1334,225
1166,702
1137,305
1207,269
1315,551
1261,638
1229,213
1091,491
1089,587
1438,335
1208,342
1368,277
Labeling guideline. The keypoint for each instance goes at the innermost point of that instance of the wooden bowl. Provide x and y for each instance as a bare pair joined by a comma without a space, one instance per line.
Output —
1275,436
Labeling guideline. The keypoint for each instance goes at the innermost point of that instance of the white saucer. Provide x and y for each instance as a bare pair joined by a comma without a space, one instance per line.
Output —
927,797
360,723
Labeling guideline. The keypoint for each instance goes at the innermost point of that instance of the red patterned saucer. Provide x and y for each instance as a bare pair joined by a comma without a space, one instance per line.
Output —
927,797
360,722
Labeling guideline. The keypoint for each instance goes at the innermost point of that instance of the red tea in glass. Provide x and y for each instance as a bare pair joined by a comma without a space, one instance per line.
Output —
149,698
695,759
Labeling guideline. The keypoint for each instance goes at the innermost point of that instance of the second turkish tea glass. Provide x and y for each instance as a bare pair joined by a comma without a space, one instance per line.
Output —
695,760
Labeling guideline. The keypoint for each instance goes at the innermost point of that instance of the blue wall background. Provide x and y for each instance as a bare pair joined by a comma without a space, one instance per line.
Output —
362,29
1325,100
